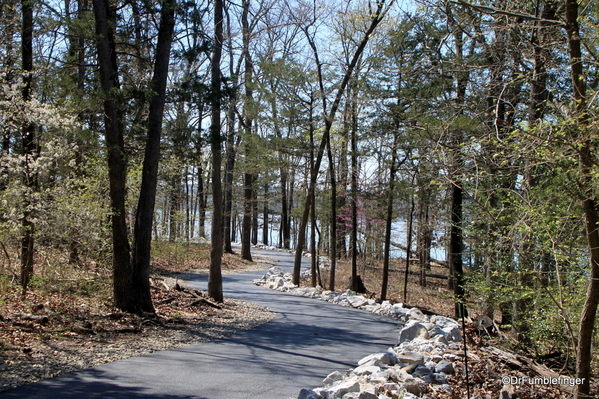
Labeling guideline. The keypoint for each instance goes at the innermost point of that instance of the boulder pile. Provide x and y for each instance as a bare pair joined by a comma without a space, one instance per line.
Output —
427,347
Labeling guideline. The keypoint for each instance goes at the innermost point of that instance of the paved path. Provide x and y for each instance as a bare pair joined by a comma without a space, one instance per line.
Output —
307,340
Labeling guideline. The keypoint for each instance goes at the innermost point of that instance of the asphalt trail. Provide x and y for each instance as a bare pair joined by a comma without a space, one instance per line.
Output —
307,340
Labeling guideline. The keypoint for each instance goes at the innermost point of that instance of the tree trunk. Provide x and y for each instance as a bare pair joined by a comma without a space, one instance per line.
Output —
29,146
456,249
113,120
201,203
142,236
248,190
231,144
333,239
246,227
254,216
231,153
456,245
424,236
408,247
348,126
215,283
265,216
174,206
354,195
591,211
389,219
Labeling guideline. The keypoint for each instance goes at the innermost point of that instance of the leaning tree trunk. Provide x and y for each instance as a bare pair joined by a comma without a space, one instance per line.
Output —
329,117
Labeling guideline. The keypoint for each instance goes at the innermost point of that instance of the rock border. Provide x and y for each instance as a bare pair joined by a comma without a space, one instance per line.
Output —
420,362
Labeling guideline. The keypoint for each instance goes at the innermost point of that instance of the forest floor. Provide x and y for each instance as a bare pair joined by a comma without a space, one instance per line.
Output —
66,322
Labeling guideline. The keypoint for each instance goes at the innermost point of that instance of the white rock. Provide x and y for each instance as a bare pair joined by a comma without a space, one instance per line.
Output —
279,282
450,357
275,271
397,374
417,314
379,378
412,330
366,369
337,391
410,358
436,331
453,333
440,339
436,358
357,301
391,386
332,378
306,393
383,358
444,322
399,309
428,326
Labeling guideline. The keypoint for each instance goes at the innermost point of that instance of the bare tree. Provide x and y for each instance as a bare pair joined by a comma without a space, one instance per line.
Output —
376,16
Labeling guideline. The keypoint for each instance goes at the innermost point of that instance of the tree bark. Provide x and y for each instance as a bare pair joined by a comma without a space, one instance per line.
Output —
229,168
113,120
333,239
29,140
265,216
456,245
408,247
142,236
215,283
591,211
248,190
231,144
201,203
354,196
314,256
389,218
424,235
